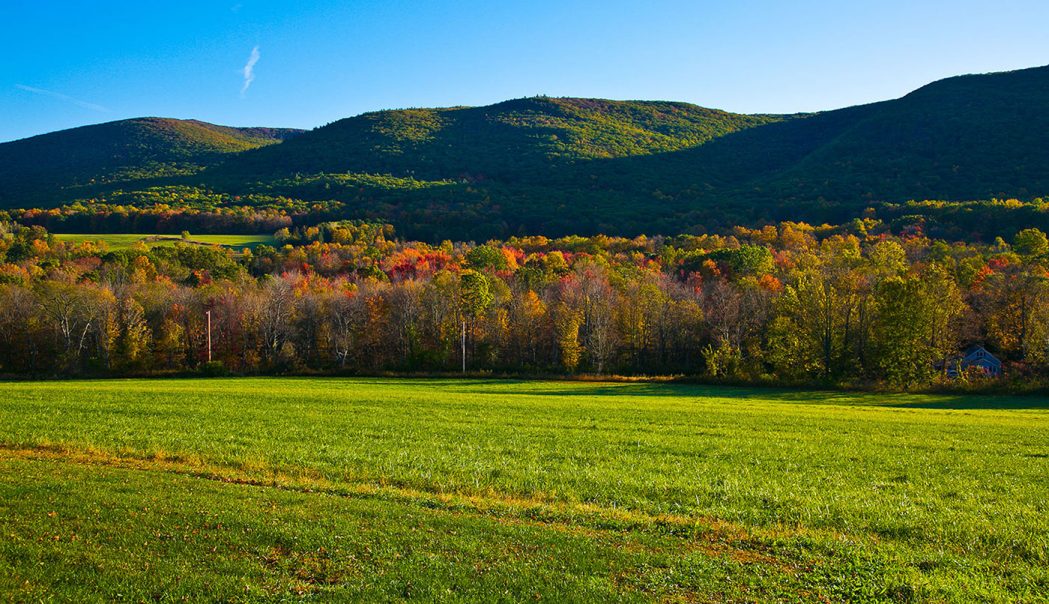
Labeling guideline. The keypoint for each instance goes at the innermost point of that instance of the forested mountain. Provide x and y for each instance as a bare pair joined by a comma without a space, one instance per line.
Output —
968,137
557,166
60,166
511,140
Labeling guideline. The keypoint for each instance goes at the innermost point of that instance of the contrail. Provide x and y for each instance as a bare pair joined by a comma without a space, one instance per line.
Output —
62,97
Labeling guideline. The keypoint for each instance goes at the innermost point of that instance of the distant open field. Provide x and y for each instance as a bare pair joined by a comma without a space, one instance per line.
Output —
382,489
123,241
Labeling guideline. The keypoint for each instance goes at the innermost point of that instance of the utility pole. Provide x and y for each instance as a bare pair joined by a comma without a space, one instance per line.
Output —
464,346
209,335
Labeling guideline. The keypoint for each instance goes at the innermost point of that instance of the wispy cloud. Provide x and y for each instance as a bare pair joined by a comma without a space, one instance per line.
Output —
249,70
62,97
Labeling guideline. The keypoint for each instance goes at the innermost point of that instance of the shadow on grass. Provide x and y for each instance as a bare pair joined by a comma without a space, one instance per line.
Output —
515,387
972,402
507,387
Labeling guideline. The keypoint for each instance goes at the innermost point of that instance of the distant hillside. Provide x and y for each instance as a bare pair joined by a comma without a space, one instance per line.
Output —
969,137
566,165
578,165
59,165
508,139
964,138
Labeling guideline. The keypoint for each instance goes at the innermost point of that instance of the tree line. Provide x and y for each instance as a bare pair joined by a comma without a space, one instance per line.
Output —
850,304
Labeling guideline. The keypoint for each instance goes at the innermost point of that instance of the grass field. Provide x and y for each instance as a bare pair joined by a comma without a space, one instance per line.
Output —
372,489
124,241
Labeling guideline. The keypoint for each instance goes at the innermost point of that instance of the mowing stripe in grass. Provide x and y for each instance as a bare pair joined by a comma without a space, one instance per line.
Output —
73,532
717,536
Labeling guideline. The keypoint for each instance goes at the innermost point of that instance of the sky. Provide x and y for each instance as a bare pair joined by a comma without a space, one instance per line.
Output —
307,63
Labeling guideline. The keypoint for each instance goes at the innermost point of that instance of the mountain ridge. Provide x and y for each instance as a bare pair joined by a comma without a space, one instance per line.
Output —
555,165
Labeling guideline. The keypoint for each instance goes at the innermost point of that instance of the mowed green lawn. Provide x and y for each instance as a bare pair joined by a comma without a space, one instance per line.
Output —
380,489
124,241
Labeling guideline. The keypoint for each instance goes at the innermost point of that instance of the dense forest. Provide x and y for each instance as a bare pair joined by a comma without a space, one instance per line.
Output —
562,166
855,304
171,210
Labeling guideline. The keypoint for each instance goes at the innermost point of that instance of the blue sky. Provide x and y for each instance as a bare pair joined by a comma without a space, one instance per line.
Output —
72,63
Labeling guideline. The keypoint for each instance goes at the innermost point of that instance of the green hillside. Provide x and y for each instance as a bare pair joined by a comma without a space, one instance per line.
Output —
65,165
564,165
965,138
573,165
512,139
969,137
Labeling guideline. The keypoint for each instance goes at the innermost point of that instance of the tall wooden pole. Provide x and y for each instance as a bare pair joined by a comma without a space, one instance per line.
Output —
209,336
464,346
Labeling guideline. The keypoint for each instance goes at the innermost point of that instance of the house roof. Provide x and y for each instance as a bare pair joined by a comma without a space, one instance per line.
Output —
976,348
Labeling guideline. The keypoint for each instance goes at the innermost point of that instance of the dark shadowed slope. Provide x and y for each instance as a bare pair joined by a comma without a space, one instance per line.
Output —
969,137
